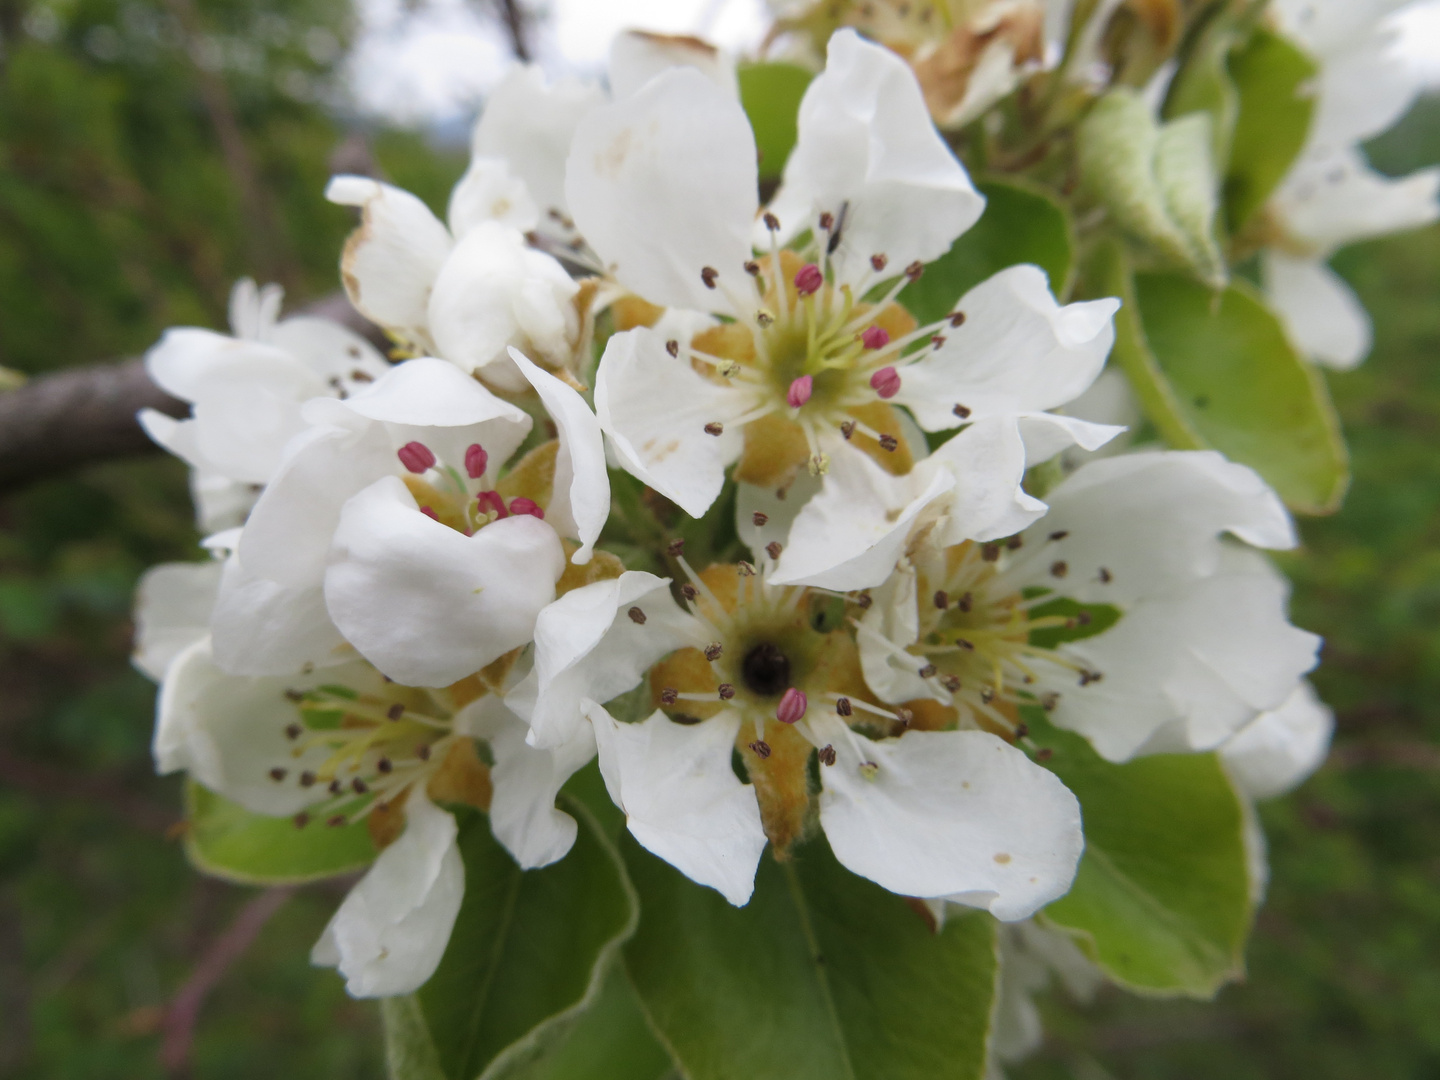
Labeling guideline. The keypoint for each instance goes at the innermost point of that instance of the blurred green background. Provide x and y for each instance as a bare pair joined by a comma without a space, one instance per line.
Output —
121,214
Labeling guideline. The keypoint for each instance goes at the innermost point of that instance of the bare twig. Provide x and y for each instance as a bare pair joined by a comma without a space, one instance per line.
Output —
517,25
81,416
184,1009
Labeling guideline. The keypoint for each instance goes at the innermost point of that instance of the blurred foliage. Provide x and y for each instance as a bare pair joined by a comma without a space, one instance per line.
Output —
119,216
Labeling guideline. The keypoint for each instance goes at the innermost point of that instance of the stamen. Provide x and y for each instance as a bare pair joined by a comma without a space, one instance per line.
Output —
961,411
522,505
793,704
842,706
714,428
476,461
672,347
771,222
761,748
669,695
808,279
430,512
957,319
726,691
942,599
878,263
914,270
827,755
636,616
886,382
708,274
490,502
416,457
395,712
675,548
713,651
1059,569
875,337
759,518
800,391
773,549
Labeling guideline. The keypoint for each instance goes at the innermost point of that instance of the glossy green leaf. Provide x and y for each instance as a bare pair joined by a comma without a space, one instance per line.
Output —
1203,83
770,94
1161,900
409,1049
530,951
822,976
610,1041
1243,388
227,841
1275,81
1020,225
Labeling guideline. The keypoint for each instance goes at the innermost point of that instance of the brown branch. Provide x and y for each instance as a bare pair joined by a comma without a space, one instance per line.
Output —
179,1022
85,415
517,25
1420,756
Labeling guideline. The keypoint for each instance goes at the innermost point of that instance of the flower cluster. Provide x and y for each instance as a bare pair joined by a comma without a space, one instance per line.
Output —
418,598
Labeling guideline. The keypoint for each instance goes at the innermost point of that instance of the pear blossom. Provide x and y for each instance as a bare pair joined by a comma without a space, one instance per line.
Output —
801,369
391,530
1126,612
1032,956
745,668
1331,196
245,391
1279,749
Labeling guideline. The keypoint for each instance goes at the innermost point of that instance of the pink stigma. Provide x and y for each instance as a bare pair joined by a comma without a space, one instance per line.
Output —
792,706
415,456
886,381
491,502
808,279
475,461
526,506
799,391
875,337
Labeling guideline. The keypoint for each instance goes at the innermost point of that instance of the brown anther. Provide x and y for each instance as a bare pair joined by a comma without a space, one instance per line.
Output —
966,602
726,691
904,716
889,442
864,600
957,319
752,268
878,262
1070,624
942,599
672,347
713,651
689,591
1044,754
927,672
771,222
990,552
1059,568
669,695
1049,701
675,548
714,428
394,712
773,549
1105,576
384,765
423,752
843,707
950,682
764,319
938,340
301,819
1022,730
636,616
759,519
914,270
294,695
745,569
961,411
987,694
966,645
359,786
336,787
827,755
1083,618
293,731
761,748
277,774
1060,534
847,429
708,274
1014,543
336,821
827,221
307,779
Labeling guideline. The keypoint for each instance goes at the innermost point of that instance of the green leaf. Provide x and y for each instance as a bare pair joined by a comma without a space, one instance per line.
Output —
822,976
1157,181
1161,900
1203,84
1275,80
770,94
1020,225
409,1050
530,951
227,841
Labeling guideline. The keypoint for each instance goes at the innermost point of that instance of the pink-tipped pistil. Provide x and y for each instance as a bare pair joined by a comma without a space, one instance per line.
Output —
800,391
490,502
808,279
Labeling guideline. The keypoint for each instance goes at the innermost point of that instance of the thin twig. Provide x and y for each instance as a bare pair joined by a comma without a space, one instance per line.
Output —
517,24
184,1009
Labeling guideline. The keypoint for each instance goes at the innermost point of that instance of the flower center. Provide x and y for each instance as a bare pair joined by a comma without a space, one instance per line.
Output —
766,670
465,500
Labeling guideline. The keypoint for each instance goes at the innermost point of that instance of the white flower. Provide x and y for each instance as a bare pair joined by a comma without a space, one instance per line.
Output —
1190,640
805,372
173,603
1331,196
1278,750
245,392
385,521
1031,957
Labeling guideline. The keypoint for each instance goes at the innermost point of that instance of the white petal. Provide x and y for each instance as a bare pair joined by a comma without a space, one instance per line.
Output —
780,508
228,731
681,798
1365,86
960,814
1333,199
654,408
1186,671
587,646
427,392
893,620
428,605
330,350
1151,521
220,503
390,932
1017,351
663,184
187,360
173,603
391,260
260,627
530,125
580,503
526,781
636,57
253,310
1277,750
489,191
1321,313
866,143
988,461
494,292
851,534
